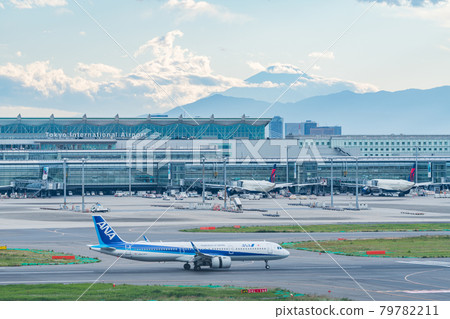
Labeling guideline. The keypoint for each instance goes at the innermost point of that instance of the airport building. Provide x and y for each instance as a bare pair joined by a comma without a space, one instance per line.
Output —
310,128
276,127
114,154
103,133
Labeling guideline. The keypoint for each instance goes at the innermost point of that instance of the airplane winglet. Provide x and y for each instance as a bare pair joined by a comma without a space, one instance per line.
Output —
195,248
145,238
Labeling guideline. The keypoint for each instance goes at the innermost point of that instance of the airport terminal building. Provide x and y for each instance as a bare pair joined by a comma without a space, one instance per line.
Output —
161,153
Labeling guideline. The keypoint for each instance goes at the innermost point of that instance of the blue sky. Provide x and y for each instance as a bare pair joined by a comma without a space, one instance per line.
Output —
55,59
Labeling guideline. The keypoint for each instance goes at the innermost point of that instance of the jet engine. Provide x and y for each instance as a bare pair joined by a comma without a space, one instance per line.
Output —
221,262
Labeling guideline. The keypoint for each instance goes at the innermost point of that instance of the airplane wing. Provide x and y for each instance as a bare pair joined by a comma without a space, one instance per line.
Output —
218,186
430,183
425,184
229,187
103,247
306,184
284,185
199,253
199,256
359,185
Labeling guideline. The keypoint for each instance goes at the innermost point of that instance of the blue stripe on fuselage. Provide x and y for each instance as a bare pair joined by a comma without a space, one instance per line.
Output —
182,250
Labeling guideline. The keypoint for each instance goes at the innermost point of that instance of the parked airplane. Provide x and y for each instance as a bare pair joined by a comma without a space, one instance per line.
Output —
400,186
259,186
212,254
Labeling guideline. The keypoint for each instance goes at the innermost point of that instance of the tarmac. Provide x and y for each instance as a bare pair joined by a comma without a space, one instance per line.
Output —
33,223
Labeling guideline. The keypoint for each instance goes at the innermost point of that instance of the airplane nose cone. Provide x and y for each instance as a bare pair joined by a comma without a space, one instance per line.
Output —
285,253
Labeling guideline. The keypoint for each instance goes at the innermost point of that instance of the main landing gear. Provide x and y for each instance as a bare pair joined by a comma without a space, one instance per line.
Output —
267,264
187,266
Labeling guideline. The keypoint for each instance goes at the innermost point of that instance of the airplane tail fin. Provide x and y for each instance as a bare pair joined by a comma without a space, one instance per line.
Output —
272,175
412,174
106,235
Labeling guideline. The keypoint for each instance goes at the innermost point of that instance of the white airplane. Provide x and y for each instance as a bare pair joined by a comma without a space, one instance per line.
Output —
259,186
212,254
400,186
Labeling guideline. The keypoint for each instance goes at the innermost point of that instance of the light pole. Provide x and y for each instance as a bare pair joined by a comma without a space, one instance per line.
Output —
357,186
332,184
129,181
225,182
64,182
82,184
203,180
287,164
417,166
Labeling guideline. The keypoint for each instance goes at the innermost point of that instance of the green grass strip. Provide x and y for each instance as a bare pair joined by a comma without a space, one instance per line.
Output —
33,257
408,247
329,228
104,291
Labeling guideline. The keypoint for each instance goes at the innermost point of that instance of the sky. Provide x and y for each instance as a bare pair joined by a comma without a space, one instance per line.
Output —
102,57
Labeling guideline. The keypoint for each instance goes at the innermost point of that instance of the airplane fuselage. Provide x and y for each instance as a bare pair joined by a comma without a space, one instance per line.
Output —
391,185
183,251
256,186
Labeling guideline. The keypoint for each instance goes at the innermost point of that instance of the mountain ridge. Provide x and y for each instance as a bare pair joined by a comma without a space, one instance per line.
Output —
382,112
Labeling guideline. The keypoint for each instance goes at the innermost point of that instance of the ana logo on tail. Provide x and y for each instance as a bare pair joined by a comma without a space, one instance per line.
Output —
107,230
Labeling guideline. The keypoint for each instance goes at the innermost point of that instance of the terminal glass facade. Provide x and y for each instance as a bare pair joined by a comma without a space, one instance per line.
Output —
123,129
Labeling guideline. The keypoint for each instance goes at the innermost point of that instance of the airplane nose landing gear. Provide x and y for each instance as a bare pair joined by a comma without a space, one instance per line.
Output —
267,264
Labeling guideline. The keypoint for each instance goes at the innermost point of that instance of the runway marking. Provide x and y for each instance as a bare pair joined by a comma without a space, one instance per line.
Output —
44,272
323,267
42,281
395,293
422,272
427,291
428,263
54,231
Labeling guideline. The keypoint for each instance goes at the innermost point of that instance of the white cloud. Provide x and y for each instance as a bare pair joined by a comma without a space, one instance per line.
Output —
181,75
2,6
357,87
445,48
27,111
439,13
47,81
432,10
191,9
28,4
407,3
97,70
82,33
163,44
327,55
283,68
19,54
256,66
264,85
